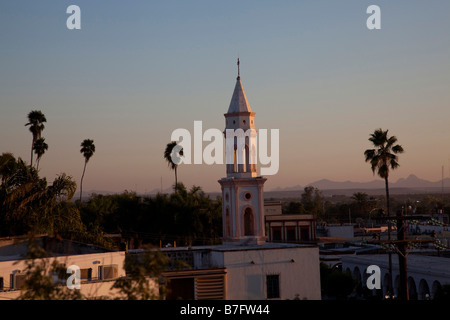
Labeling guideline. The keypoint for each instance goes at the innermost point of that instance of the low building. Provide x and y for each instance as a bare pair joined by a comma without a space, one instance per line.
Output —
272,208
288,228
245,272
426,274
99,267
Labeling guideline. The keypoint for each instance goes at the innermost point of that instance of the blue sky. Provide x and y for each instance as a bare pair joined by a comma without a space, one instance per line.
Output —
138,70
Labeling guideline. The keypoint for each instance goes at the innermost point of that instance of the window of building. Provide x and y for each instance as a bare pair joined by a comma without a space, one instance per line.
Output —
248,223
86,274
273,286
291,234
276,234
227,223
108,272
17,280
304,233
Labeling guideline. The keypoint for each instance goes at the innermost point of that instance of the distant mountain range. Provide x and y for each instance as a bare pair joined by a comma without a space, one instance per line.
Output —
412,181
412,184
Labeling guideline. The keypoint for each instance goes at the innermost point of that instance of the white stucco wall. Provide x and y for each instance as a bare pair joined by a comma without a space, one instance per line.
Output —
84,261
298,278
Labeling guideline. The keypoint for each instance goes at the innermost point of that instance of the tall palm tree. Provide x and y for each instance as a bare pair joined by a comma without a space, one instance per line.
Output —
36,121
168,156
383,159
39,148
87,149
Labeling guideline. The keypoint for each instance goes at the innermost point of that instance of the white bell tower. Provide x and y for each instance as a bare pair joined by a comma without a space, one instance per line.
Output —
242,189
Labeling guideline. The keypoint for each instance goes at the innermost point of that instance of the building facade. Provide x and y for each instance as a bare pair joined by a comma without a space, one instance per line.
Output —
426,274
99,268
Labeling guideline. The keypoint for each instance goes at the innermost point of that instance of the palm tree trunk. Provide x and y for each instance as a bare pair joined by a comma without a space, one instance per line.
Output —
391,292
32,144
403,292
81,183
176,179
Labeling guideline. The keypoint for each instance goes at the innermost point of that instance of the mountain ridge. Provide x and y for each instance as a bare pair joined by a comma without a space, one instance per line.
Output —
412,181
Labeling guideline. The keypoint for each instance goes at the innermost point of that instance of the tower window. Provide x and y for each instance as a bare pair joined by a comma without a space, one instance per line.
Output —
244,121
227,223
247,196
248,223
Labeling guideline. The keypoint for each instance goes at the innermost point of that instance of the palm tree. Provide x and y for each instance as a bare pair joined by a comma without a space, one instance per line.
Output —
36,121
39,148
87,149
383,159
168,156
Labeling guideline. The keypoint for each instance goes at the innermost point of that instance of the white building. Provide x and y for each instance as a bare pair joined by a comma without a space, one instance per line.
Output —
245,266
247,272
426,274
99,268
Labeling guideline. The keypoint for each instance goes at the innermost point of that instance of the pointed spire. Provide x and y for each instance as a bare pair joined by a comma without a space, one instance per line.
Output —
239,101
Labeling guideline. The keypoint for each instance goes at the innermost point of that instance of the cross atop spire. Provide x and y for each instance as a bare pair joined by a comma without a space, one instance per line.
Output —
239,71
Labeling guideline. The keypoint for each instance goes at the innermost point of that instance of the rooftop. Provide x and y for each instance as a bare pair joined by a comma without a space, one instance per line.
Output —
417,263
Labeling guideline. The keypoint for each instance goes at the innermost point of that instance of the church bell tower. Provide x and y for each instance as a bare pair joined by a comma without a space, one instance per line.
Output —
242,189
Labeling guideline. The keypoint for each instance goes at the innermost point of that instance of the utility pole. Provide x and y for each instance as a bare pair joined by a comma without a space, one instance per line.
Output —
401,245
404,292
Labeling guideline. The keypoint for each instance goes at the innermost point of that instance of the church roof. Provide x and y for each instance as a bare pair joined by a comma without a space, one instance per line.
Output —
239,101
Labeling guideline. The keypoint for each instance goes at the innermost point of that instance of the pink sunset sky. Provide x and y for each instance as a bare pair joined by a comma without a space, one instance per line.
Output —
136,72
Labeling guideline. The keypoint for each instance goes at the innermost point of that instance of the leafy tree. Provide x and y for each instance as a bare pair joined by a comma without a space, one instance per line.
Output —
187,217
87,149
36,121
313,200
46,279
38,284
335,283
143,280
29,204
294,207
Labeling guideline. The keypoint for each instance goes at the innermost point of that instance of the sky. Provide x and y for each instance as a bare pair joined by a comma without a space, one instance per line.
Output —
138,70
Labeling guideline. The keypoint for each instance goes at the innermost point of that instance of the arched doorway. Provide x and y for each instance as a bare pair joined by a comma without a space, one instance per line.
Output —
249,229
424,290
412,289
227,223
436,289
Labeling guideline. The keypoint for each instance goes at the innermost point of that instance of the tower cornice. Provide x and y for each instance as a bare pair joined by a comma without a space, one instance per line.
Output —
237,114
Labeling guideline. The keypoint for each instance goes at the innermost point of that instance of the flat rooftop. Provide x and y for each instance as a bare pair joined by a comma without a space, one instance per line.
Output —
417,263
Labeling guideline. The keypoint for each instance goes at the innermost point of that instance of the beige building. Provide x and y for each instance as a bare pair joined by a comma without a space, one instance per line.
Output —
99,268
252,272
291,228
